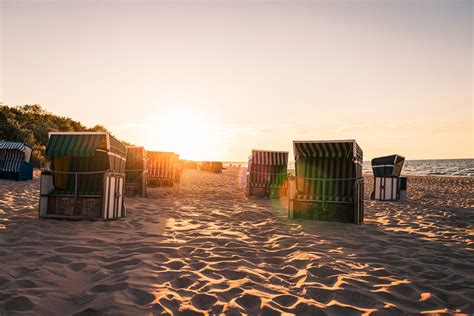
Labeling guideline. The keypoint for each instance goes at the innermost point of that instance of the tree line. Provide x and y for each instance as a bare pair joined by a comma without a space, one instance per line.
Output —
30,124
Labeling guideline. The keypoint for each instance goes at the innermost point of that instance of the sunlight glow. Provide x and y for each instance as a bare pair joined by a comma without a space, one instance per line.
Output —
185,131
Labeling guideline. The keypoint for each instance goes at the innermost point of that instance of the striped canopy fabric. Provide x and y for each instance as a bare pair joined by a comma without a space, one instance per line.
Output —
75,145
321,149
117,147
12,154
160,164
5,145
265,157
267,169
135,165
83,144
136,158
388,166
82,158
10,160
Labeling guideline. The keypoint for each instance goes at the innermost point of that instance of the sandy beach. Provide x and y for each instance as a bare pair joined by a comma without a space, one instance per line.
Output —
203,248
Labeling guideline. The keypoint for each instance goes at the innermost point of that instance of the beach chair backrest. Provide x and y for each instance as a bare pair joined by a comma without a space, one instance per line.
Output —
327,169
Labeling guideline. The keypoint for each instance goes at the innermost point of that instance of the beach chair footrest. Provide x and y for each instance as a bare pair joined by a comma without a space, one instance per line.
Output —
332,212
80,207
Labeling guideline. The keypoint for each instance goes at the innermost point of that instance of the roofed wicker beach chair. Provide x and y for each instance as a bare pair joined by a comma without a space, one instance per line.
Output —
161,168
328,185
136,171
212,166
15,161
205,166
189,164
86,178
216,166
388,185
267,173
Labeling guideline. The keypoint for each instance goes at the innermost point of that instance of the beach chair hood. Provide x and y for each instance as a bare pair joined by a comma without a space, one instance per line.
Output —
388,166
83,144
267,157
328,149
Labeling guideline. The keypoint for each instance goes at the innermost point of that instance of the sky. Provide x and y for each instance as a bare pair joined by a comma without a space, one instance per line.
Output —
212,80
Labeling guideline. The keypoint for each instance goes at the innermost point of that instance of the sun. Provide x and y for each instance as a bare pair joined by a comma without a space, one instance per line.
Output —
185,131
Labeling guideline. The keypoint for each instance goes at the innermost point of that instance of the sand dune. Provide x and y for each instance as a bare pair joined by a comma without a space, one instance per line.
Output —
204,249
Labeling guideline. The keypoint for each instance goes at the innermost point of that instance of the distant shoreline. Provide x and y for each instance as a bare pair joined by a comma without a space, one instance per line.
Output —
428,167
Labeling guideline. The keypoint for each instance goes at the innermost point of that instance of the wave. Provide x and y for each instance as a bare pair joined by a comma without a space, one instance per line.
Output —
442,167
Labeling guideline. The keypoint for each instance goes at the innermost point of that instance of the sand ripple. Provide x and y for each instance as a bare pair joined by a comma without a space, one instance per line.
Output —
204,249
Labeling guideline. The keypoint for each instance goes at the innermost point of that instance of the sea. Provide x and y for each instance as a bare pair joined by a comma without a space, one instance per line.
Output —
440,167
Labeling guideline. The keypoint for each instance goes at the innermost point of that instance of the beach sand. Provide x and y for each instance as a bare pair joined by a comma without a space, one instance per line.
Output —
204,248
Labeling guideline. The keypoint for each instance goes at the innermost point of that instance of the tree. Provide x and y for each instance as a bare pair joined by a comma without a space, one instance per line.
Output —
31,124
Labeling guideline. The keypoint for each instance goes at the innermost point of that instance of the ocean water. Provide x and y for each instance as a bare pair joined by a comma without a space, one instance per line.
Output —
442,167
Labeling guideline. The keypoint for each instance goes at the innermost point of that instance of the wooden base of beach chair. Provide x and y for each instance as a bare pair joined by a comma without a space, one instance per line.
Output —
389,188
266,192
332,212
259,192
25,174
69,206
106,206
157,182
350,210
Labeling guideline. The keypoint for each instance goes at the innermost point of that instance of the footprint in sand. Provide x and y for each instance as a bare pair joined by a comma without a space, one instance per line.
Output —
182,282
203,301
141,297
56,259
4,281
26,284
78,266
323,271
228,295
175,265
100,288
22,271
75,249
232,275
19,304
122,264
268,311
249,302
285,300
170,303
89,312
